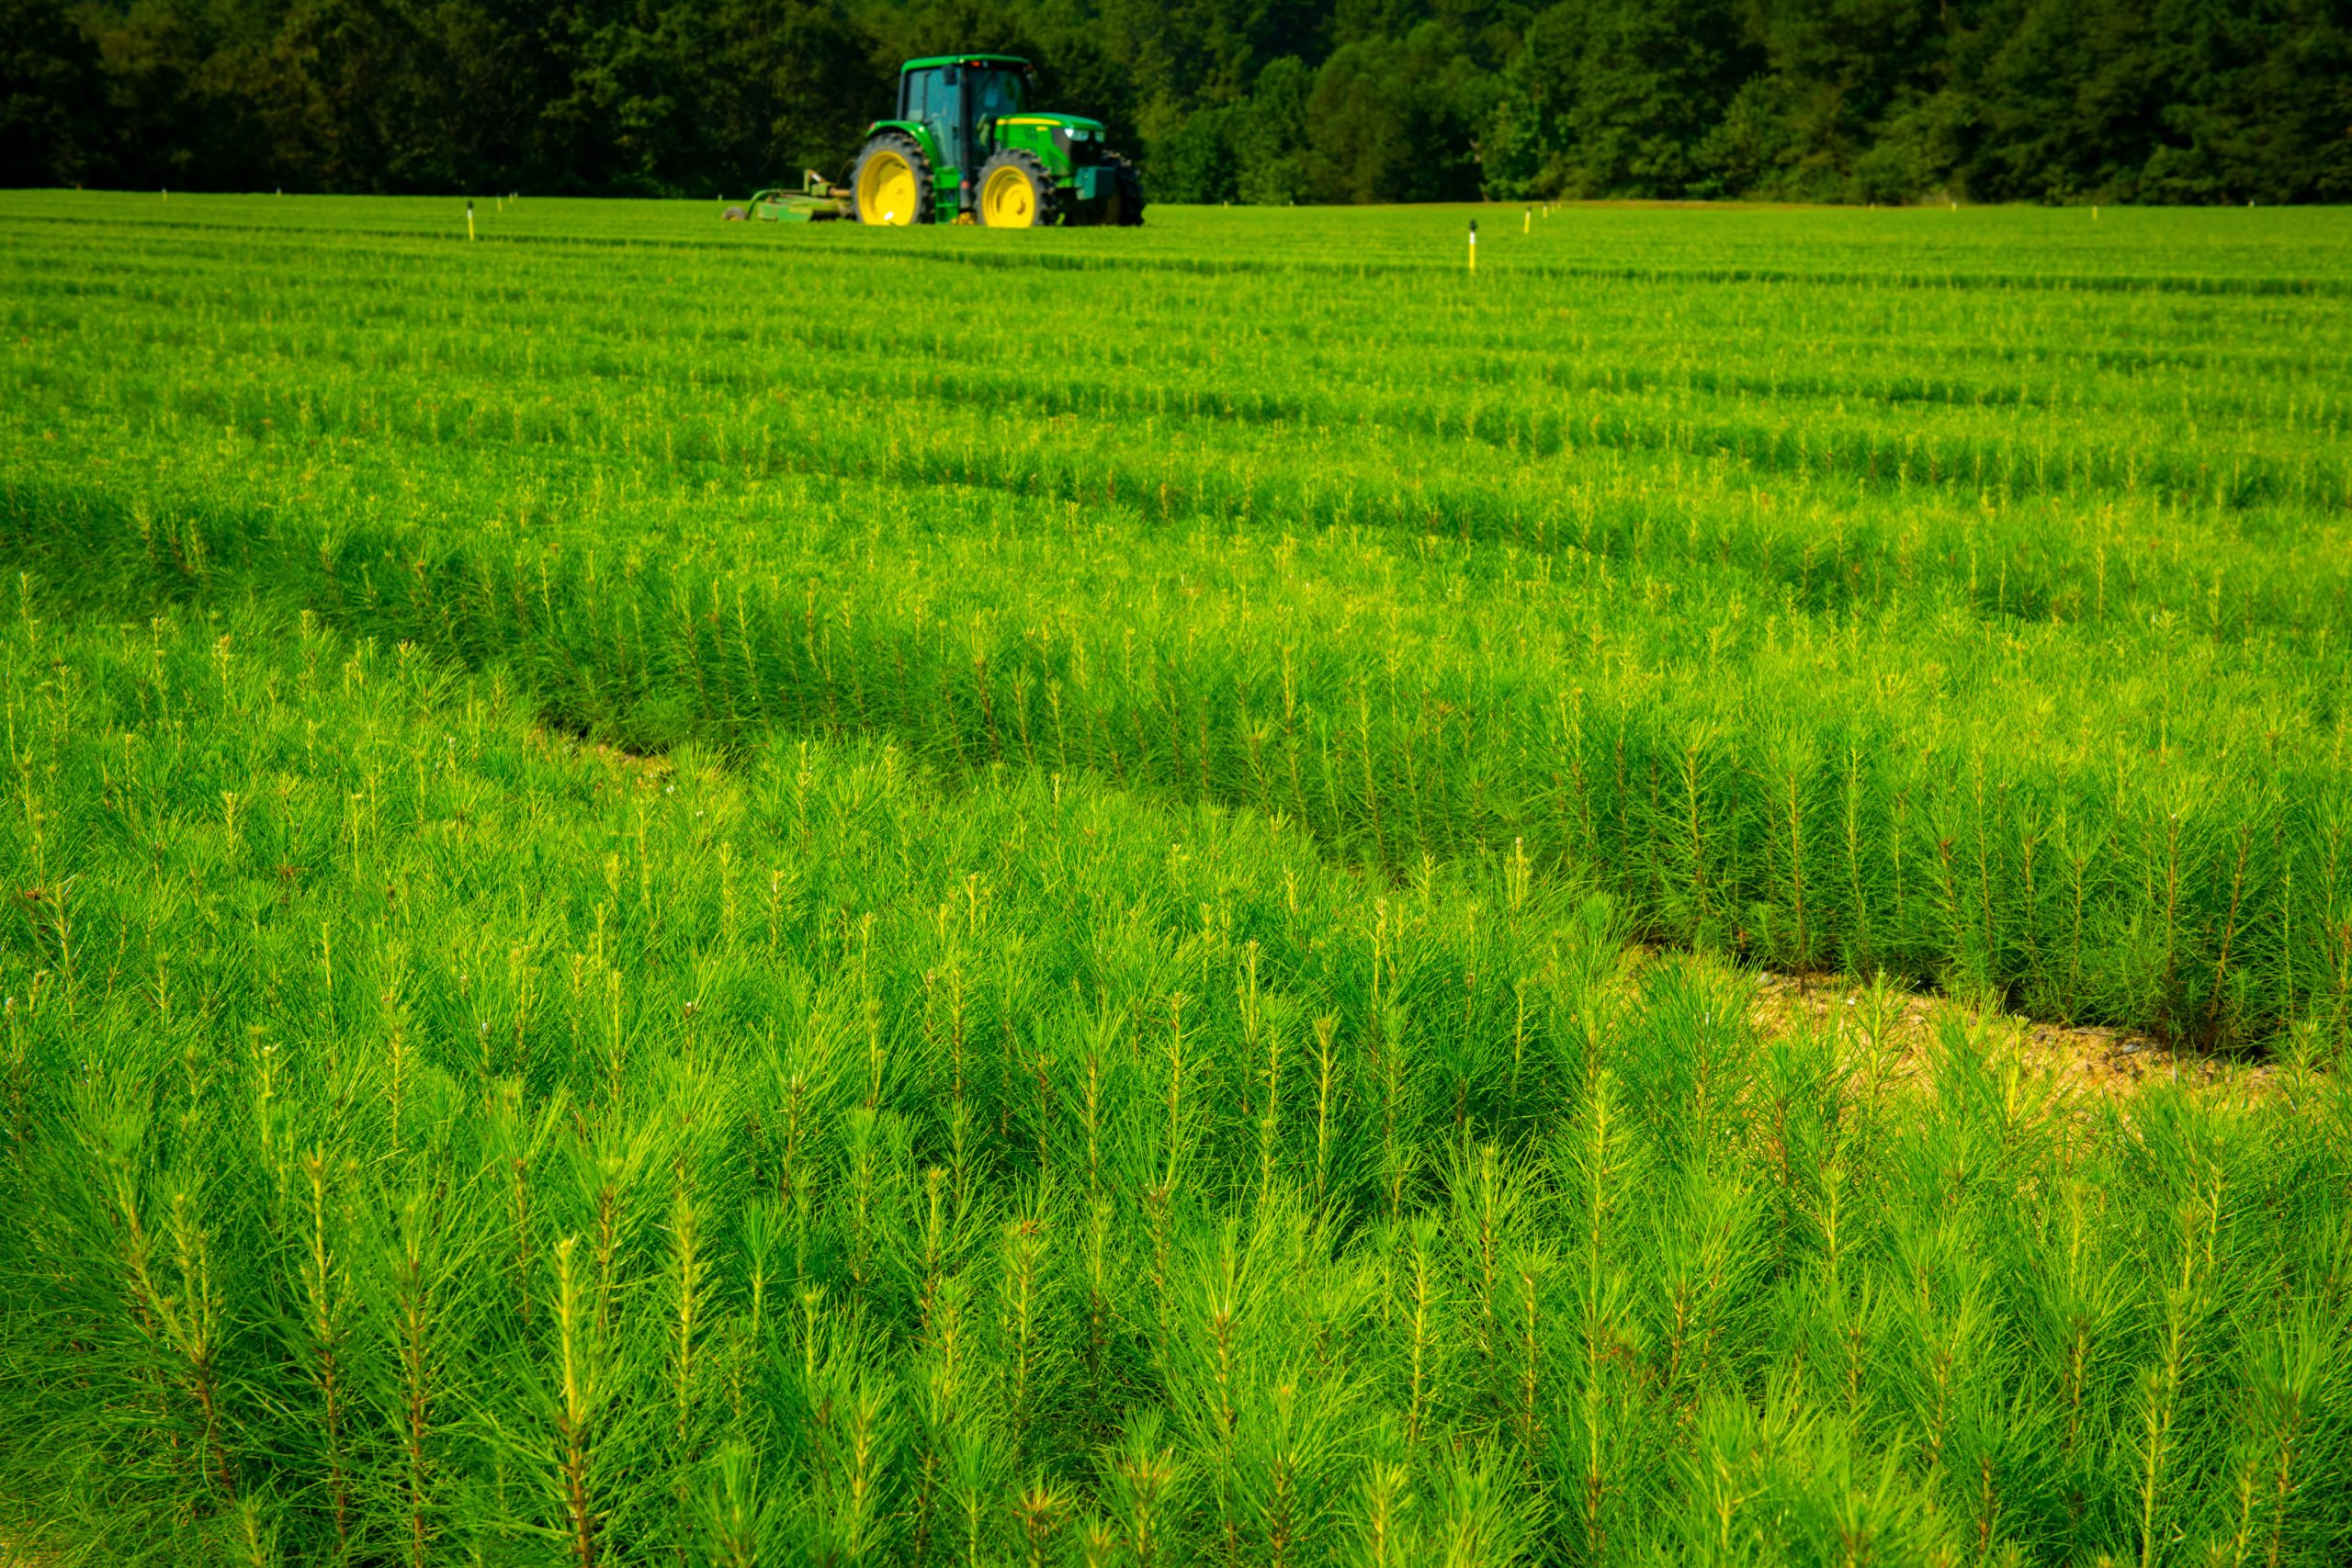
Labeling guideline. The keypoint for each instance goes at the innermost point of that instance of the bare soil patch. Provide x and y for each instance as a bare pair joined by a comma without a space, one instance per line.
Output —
2080,1058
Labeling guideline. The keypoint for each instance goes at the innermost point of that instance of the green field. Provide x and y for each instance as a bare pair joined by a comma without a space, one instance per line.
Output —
711,894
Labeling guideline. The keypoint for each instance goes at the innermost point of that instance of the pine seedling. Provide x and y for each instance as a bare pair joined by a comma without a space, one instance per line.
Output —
268,1131
1269,1122
1095,1064
946,1027
1485,1524
1422,1307
1707,1249
1325,1091
1488,1195
869,1437
411,1273
1854,1318
1947,1319
1595,1156
2284,1442
1042,1100
943,1236
1871,1515
20,1083
975,1466
1098,1542
327,1301
1141,1477
1386,1536
608,1175
933,1244
877,1050
1999,1435
581,1394
1881,1008
514,1150
1398,1154
757,1241
1024,1324
192,1323
1208,1364
2082,1304
862,1141
1180,1116
943,1395
1040,1510
1290,1434
1158,1219
399,1052
1097,1263
843,1417
806,1074
256,1535
686,1278
1528,1268
2155,1437
737,1516
1728,1473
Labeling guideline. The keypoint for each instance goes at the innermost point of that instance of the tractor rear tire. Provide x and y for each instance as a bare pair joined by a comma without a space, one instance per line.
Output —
1125,208
1016,192
890,184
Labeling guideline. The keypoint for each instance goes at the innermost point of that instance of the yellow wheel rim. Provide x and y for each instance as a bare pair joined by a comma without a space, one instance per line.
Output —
1009,200
886,190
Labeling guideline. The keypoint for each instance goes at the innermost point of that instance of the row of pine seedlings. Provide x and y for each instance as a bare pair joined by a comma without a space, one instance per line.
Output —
431,1140
2177,861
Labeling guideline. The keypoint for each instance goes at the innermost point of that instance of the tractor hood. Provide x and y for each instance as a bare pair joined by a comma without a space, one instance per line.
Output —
1061,122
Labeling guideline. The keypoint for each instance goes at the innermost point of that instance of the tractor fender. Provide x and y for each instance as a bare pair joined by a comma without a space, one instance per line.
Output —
915,132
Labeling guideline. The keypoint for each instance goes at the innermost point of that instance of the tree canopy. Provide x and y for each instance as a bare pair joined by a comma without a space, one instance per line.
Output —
1225,100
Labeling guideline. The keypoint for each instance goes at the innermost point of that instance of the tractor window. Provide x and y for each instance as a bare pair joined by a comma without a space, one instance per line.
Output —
929,98
995,93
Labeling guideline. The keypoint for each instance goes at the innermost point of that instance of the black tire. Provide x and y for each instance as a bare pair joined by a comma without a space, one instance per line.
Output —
906,148
1048,203
1126,192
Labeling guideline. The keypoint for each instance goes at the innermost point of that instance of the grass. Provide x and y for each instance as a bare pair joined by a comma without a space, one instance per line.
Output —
768,897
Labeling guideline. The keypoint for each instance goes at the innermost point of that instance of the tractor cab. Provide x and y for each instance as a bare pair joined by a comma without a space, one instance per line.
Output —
959,100
965,148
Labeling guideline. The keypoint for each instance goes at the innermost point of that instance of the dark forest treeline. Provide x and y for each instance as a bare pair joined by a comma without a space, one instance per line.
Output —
1240,100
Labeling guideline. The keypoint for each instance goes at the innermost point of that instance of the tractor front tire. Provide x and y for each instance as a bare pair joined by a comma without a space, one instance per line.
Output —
1016,192
1125,209
891,183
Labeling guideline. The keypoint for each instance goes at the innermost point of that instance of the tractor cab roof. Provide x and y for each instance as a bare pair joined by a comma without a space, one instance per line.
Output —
933,60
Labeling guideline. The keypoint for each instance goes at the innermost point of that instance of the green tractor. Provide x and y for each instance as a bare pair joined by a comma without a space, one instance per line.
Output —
966,147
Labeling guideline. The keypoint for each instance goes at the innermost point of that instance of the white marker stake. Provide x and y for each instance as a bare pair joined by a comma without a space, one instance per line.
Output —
470,220
1528,225
1474,244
